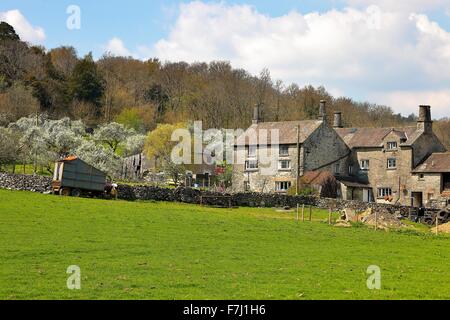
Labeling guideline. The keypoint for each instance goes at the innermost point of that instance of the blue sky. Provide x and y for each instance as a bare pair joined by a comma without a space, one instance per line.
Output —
136,22
401,58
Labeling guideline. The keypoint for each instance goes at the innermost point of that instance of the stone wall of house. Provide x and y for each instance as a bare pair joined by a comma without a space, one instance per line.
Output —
324,150
426,144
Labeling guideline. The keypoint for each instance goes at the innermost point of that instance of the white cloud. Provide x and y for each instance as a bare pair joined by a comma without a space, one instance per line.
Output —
116,47
353,51
405,100
402,5
23,28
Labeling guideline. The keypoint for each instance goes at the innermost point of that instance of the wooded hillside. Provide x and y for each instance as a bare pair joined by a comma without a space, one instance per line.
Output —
141,94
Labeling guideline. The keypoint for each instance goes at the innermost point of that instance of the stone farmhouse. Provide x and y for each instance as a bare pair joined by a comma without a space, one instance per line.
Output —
388,165
303,146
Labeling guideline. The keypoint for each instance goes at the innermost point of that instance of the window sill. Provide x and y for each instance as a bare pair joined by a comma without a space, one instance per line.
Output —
251,170
285,170
391,169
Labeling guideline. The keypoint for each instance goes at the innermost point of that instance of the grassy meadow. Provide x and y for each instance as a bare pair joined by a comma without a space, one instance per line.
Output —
149,250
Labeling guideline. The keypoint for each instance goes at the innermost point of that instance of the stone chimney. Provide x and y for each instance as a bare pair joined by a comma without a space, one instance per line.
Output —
424,122
322,110
337,123
256,118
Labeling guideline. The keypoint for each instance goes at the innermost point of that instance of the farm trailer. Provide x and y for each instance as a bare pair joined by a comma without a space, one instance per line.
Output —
74,177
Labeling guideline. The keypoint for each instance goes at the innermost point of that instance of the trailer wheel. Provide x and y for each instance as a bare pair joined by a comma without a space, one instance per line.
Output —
64,192
76,193
442,215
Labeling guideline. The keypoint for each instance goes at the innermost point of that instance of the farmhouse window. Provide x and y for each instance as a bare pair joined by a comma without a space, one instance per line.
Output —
284,165
337,168
392,163
284,150
365,164
251,164
282,185
392,145
350,169
384,192
251,151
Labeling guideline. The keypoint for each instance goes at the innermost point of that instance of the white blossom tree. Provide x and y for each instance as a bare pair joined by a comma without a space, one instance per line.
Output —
112,134
134,144
100,157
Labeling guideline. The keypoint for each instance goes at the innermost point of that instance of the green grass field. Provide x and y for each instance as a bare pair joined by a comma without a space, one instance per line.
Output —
144,250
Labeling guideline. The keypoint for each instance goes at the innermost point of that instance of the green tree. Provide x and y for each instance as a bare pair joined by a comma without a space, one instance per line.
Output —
159,145
7,32
86,84
131,118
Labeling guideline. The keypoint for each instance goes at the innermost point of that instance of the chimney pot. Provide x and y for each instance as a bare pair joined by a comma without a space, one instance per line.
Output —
337,120
322,110
256,118
424,122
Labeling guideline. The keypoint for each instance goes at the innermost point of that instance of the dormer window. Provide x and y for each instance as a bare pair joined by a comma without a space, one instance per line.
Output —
392,145
251,151
337,168
284,150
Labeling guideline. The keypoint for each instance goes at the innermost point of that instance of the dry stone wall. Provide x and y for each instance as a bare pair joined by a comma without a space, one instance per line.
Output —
189,195
33,183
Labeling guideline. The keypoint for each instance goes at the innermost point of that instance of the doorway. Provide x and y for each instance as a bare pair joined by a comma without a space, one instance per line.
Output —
367,195
417,198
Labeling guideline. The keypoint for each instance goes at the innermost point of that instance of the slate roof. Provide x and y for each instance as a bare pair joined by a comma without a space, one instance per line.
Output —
435,163
287,131
353,182
373,137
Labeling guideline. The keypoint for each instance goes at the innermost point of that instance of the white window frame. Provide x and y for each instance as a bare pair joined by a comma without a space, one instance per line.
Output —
251,168
280,166
282,186
365,167
389,165
392,145
383,192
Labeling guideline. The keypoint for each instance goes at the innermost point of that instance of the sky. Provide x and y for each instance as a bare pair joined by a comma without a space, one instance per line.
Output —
395,53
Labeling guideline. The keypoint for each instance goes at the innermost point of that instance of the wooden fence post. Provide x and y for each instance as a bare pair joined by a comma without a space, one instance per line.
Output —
329,216
303,213
310,213
437,225
376,220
